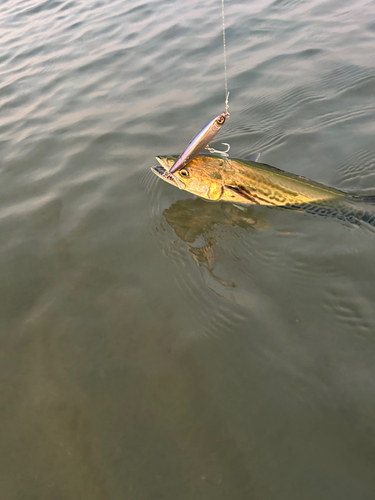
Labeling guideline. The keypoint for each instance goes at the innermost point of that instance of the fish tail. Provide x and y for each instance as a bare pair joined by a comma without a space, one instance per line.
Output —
353,211
363,209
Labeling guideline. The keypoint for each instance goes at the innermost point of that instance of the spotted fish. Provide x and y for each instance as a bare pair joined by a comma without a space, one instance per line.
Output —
250,182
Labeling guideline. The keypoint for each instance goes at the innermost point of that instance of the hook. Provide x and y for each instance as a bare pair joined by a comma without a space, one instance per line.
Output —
222,153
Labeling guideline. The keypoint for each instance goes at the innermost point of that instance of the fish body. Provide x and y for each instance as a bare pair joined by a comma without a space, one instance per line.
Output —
200,141
250,183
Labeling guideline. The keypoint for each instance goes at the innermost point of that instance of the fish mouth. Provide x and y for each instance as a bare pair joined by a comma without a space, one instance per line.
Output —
162,171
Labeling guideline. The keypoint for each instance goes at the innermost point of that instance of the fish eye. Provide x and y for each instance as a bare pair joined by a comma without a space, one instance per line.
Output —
184,172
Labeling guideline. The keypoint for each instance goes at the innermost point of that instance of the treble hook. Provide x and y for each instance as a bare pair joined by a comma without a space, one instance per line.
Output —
221,153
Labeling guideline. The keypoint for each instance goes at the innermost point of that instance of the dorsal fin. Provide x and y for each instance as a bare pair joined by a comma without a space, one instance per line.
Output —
252,157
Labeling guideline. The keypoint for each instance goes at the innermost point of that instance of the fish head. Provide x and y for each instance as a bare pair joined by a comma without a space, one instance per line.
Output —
201,176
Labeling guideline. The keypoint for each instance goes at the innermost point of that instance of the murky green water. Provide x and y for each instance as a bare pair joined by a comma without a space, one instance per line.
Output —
154,345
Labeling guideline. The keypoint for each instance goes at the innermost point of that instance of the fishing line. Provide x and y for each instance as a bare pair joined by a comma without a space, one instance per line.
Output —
225,62
203,138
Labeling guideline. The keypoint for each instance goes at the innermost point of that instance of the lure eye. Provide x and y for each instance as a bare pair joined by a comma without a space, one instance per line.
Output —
184,172
220,120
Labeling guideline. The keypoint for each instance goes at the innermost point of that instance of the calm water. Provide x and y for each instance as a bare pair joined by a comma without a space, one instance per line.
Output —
154,345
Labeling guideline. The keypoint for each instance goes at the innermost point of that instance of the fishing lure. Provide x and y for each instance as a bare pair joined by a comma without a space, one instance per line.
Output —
200,142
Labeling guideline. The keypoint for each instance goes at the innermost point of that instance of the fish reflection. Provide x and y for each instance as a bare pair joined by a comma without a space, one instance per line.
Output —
191,218
195,219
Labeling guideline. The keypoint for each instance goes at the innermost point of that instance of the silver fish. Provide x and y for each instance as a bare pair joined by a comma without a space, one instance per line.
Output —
199,142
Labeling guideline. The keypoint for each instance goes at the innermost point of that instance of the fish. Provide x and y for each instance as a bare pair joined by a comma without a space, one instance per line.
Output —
200,141
248,182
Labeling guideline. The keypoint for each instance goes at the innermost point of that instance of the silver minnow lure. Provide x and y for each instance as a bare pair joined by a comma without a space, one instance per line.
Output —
199,142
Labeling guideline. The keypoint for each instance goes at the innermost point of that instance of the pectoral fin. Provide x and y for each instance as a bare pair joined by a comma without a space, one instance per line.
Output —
242,191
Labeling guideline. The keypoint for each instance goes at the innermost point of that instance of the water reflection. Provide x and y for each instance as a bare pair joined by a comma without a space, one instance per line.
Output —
192,218
197,223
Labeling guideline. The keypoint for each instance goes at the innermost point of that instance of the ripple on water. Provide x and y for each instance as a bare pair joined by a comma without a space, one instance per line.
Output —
352,309
154,190
357,172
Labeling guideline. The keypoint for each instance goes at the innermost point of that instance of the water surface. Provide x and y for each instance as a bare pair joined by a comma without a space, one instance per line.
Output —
154,345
